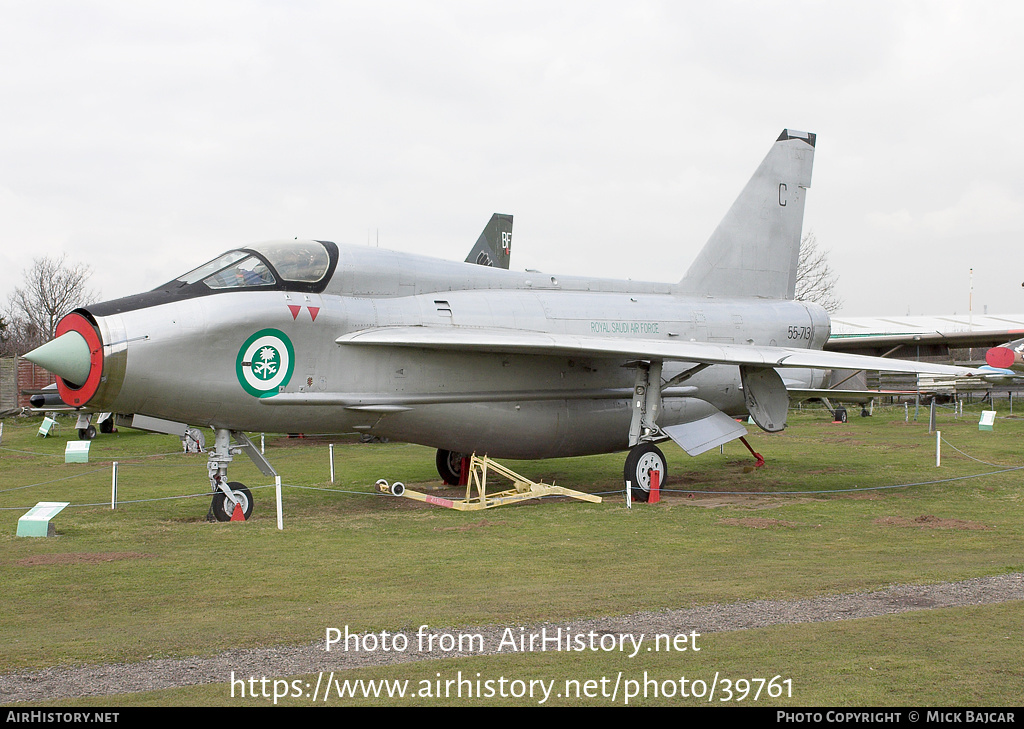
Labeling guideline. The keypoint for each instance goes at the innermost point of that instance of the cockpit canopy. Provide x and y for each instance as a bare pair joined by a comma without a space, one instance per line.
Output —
293,265
302,265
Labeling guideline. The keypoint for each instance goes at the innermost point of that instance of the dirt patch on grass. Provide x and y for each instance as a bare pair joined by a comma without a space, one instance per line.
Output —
746,502
927,521
80,558
844,439
475,525
759,523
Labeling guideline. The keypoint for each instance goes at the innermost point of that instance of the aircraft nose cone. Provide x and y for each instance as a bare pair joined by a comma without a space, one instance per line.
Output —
1001,357
67,356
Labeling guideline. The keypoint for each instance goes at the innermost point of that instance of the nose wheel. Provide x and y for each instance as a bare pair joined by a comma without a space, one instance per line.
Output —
643,459
223,507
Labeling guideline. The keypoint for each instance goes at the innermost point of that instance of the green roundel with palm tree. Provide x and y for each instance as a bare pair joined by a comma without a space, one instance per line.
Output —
265,363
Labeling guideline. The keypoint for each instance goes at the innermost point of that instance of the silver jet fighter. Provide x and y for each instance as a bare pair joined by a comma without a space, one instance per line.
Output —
310,336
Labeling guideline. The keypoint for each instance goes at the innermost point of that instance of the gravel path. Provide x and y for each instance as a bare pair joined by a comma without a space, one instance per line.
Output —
57,683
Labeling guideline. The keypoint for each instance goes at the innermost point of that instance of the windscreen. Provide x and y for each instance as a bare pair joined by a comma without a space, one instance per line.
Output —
213,266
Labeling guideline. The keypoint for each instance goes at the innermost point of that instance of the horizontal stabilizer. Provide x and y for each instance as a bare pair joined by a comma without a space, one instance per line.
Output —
704,434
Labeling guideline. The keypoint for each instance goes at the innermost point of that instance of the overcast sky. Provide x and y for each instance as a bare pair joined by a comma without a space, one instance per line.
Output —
146,138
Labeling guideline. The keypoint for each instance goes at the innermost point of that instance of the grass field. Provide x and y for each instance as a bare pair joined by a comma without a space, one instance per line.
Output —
152,578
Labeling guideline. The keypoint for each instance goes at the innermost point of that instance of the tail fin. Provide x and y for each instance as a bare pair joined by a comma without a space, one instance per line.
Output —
754,250
494,246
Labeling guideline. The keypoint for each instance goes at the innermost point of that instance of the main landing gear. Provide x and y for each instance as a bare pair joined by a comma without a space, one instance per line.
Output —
449,466
641,461
227,495
765,397
645,457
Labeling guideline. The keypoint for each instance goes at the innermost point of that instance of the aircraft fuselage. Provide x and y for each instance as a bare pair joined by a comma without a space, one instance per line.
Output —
183,359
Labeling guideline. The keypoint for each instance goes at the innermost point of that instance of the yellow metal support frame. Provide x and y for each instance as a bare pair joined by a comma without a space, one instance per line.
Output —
479,467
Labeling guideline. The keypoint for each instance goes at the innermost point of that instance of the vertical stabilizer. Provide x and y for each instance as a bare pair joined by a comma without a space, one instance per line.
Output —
494,246
754,250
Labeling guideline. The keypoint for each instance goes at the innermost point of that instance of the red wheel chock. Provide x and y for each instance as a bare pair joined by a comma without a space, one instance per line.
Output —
755,454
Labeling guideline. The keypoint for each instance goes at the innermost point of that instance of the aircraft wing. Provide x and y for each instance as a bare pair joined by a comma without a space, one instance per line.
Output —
506,341
935,342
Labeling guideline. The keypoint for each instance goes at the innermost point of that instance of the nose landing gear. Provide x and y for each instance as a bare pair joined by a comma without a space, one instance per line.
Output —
226,495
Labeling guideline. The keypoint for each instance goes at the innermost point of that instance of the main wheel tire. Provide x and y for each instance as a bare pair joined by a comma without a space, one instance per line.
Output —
107,426
643,459
87,433
449,466
223,507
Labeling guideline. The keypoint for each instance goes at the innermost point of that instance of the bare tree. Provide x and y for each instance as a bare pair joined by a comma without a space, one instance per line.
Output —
51,288
815,279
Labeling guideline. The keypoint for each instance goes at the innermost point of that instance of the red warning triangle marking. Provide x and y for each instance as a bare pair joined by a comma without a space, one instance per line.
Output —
295,310
237,514
313,311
